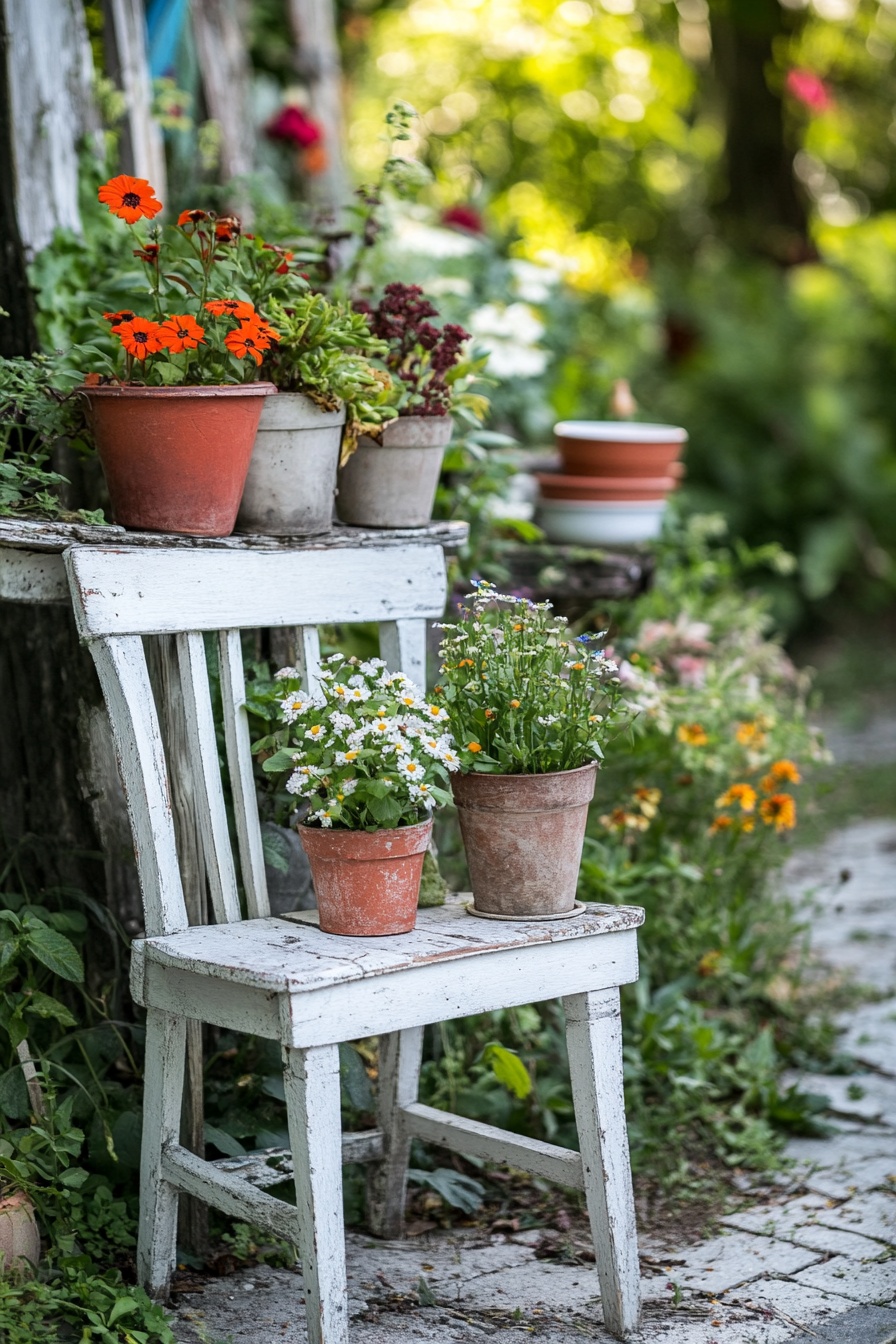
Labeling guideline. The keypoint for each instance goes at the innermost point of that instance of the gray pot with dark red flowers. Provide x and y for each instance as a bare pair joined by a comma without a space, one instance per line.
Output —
393,483
391,477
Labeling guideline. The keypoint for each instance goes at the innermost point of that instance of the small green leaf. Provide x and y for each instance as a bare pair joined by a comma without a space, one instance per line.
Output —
508,1068
54,950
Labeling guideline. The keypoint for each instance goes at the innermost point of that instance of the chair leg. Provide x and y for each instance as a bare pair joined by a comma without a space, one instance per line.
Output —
311,1081
163,1086
387,1181
594,1037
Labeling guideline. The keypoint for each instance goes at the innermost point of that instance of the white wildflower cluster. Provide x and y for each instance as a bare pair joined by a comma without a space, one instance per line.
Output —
366,747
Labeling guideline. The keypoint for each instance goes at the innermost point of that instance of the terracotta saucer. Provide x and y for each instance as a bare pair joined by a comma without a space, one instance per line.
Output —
557,485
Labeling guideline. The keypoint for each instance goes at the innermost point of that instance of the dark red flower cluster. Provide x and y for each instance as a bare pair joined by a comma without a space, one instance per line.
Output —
420,354
464,217
295,127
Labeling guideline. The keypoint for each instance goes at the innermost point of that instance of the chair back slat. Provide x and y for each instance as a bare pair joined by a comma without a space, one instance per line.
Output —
121,665
308,656
403,646
242,781
211,816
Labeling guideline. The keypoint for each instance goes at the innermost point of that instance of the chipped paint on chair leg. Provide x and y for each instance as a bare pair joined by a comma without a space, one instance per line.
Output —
163,1087
594,1037
401,1053
312,1085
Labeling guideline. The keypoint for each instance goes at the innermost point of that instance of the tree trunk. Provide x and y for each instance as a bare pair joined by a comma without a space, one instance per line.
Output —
318,63
761,207
219,28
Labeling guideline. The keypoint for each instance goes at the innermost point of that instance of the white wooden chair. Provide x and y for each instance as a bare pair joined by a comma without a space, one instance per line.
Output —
282,978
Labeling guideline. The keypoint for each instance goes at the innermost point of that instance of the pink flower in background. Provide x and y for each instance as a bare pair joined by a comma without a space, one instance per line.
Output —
463,217
809,90
295,127
691,671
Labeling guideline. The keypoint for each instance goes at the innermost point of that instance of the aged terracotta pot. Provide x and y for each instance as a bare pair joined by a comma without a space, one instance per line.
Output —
393,483
613,489
523,835
19,1235
175,458
366,882
618,447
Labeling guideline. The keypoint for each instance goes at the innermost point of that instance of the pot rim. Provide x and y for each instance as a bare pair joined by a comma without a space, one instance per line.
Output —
380,830
615,483
619,431
260,389
544,774
607,506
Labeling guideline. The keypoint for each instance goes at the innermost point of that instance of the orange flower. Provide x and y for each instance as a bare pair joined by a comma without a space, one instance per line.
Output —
749,735
748,824
130,198
285,257
180,333
227,229
116,319
248,339
648,801
314,159
149,254
514,704
140,337
779,811
693,734
231,308
194,217
474,747
779,773
744,794
720,824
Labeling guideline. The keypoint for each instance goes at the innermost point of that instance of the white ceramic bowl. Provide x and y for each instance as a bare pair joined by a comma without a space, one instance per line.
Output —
586,523
619,431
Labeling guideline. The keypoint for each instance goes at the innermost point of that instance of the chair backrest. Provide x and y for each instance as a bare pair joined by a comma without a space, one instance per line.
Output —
121,595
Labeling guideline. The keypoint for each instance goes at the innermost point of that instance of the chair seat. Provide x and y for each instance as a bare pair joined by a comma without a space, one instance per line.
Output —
289,954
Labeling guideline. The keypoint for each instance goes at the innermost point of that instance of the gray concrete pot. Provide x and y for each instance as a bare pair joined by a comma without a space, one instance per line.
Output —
523,835
393,484
292,475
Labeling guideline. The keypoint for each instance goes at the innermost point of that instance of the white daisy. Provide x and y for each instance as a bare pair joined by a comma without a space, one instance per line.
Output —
316,733
348,786
287,674
358,693
412,769
346,757
294,705
546,720
323,817
450,759
341,722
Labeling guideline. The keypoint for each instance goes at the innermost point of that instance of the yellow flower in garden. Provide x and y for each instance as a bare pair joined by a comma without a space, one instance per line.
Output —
709,962
621,820
750,734
743,794
748,824
780,772
692,734
473,746
779,811
514,704
648,801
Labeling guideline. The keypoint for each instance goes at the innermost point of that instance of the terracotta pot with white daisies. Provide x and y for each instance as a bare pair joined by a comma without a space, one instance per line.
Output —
372,757
530,707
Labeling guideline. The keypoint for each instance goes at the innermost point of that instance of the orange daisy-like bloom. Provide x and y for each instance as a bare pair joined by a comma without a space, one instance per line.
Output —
780,772
474,747
648,801
231,308
749,735
248,340
181,333
693,734
779,811
191,217
722,823
130,198
227,229
140,337
116,319
743,794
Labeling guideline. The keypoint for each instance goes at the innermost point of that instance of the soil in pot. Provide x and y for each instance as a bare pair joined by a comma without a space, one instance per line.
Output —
175,458
523,835
367,882
291,483
622,489
618,448
393,484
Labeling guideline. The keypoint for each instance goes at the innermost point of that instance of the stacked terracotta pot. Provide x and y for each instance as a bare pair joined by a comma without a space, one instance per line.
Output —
616,479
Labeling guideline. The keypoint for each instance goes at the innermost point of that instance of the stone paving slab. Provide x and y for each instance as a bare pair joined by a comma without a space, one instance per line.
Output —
871,1215
728,1261
862,1325
869,1097
850,1178
870,1035
860,1280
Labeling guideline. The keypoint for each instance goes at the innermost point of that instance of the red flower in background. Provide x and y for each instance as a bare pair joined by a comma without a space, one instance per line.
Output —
809,90
463,217
295,127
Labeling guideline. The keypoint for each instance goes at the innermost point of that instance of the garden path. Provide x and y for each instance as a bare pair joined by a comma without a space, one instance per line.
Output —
810,1262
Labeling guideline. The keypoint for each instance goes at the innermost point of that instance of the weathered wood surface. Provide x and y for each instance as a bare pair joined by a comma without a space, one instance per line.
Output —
163,1080
51,76
222,49
272,1166
594,1038
317,62
119,591
398,1081
460,1135
142,150
32,576
24,534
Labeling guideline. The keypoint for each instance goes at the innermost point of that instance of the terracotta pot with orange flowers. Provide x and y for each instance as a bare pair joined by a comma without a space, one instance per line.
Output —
174,393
